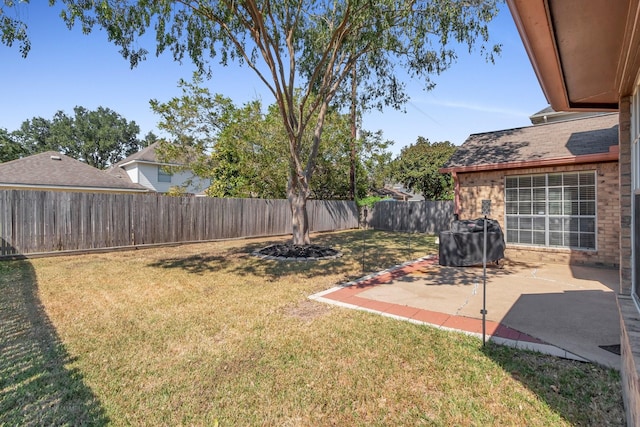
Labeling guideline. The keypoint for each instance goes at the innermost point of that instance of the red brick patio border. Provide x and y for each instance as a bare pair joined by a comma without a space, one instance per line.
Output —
348,293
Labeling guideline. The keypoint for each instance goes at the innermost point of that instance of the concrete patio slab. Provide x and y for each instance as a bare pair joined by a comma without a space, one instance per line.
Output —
563,310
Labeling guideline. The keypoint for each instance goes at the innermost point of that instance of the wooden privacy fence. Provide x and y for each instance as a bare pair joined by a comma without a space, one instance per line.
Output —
414,217
47,221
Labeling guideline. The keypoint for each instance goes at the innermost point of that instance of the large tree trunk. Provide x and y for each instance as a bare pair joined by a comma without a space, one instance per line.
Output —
300,174
297,193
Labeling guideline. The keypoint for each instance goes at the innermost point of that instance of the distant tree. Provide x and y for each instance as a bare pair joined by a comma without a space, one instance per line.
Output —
417,168
195,121
370,163
34,135
10,149
330,179
240,148
374,159
99,138
248,158
237,148
149,139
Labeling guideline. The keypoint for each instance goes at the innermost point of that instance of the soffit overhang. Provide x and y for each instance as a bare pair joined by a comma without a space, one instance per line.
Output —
584,53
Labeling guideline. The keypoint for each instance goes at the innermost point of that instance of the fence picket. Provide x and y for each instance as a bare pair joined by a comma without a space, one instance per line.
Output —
415,217
49,221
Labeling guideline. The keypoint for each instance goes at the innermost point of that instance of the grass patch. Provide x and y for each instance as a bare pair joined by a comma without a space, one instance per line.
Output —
199,334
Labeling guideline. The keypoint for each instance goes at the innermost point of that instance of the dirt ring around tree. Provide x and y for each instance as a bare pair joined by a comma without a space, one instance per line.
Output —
291,252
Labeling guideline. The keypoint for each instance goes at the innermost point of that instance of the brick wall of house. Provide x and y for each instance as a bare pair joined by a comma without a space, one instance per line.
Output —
477,186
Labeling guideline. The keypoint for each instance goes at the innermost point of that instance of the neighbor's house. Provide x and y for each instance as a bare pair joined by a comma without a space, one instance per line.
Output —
549,115
146,169
53,171
398,193
586,57
553,188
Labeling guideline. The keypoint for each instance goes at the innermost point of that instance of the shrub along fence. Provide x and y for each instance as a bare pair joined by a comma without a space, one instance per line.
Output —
414,217
48,222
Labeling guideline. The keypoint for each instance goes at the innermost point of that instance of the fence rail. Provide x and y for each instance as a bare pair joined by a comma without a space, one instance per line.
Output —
48,221
413,217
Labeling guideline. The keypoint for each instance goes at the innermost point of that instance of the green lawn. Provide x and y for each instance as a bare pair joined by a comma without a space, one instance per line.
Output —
205,334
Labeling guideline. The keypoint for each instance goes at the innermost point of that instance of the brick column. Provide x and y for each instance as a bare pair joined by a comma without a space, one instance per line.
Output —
624,168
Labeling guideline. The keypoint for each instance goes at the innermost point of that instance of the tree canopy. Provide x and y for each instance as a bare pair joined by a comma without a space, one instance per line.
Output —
12,29
308,45
417,168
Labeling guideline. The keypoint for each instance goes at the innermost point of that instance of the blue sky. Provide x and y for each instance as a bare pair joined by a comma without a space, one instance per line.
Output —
66,68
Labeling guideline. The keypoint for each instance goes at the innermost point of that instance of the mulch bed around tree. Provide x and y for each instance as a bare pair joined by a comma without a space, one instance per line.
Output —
291,252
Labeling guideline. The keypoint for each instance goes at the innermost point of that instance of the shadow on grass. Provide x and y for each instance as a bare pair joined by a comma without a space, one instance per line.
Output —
581,393
378,250
36,387
363,252
196,264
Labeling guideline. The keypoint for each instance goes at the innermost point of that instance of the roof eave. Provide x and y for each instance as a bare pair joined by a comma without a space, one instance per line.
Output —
537,27
533,24
149,162
46,187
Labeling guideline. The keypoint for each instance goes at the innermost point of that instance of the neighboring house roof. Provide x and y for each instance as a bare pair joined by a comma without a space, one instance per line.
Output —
398,193
549,115
54,171
146,155
586,140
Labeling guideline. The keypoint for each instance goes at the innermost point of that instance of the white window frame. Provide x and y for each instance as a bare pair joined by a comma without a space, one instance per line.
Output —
535,210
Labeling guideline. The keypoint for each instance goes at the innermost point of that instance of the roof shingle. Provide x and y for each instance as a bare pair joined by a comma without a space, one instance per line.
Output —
53,169
568,139
147,154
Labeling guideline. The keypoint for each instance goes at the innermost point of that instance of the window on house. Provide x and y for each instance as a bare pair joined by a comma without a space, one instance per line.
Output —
554,210
163,175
